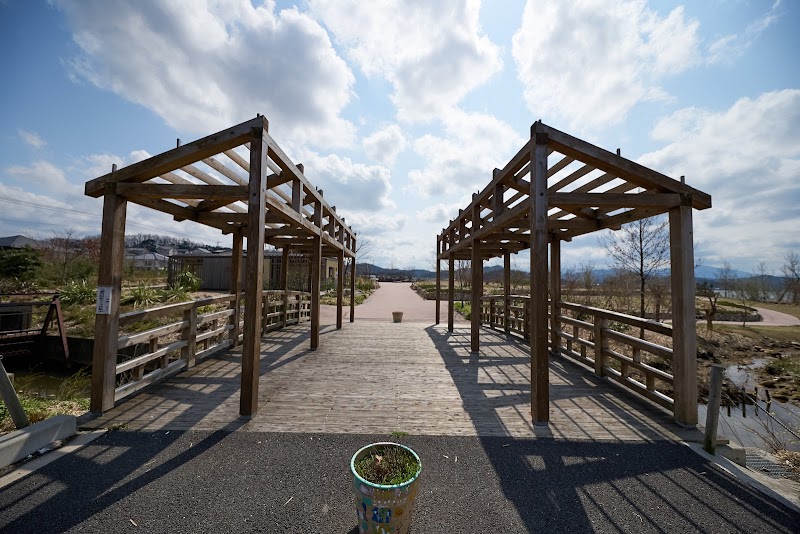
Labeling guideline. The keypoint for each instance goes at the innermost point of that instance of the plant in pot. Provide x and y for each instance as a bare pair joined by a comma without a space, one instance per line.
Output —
385,479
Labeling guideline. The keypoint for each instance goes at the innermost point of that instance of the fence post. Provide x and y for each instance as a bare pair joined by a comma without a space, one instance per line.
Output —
600,343
189,334
712,412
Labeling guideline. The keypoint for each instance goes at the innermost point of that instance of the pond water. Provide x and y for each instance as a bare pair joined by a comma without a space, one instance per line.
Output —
761,424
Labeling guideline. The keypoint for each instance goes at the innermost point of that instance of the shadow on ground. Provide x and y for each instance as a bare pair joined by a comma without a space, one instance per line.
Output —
267,482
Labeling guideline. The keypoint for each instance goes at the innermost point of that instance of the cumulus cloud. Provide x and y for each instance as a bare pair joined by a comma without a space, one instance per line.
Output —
589,62
205,65
748,158
433,53
352,187
385,144
32,138
461,162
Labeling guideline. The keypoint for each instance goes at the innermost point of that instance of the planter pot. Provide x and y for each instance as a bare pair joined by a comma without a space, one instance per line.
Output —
397,316
382,507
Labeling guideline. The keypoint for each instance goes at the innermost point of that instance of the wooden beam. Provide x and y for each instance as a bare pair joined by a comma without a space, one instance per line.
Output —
177,157
109,287
621,167
231,193
339,288
477,293
236,286
316,264
540,372
555,293
506,288
617,200
353,286
684,323
438,280
251,342
451,292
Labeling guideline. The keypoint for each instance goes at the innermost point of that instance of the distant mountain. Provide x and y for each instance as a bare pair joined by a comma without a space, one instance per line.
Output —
712,273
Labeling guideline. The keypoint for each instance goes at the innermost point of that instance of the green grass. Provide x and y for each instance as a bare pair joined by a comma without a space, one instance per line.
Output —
71,397
464,309
388,465
397,434
785,334
785,366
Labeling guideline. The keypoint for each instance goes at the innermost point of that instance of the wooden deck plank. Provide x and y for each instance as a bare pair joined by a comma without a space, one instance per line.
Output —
380,377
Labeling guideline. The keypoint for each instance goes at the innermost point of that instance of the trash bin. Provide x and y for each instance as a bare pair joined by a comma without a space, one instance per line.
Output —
397,317
383,508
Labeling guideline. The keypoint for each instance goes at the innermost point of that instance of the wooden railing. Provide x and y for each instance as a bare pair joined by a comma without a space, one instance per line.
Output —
200,331
591,336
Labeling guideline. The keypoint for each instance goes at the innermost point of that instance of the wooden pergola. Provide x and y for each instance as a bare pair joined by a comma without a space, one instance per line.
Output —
555,188
241,182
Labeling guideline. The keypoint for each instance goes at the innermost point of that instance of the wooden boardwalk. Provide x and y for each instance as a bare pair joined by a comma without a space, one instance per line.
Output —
379,377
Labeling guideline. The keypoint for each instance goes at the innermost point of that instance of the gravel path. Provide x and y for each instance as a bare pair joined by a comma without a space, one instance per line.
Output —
266,482
392,296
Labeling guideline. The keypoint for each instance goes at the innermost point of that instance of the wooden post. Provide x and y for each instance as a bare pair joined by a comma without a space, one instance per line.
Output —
451,292
189,335
109,287
712,413
540,385
438,279
600,343
506,289
555,294
285,283
316,265
684,335
353,286
477,293
256,213
236,286
339,289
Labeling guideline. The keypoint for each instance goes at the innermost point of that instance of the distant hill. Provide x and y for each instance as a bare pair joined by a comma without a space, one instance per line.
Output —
494,273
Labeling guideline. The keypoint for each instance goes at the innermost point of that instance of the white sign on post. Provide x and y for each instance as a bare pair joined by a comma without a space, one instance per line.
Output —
104,300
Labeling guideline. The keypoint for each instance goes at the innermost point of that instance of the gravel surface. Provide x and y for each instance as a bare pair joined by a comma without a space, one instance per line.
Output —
269,482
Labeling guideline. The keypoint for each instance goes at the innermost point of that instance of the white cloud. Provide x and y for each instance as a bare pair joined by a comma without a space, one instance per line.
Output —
461,163
589,62
32,138
727,48
433,53
203,66
748,158
440,214
352,187
385,144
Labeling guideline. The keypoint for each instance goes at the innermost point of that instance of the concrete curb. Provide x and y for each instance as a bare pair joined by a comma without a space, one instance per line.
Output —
780,490
21,443
29,467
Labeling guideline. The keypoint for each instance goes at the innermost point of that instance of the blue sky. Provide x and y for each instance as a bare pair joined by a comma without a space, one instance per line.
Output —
400,110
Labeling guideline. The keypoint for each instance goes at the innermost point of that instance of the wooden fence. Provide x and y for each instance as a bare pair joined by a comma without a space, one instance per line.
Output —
592,337
201,329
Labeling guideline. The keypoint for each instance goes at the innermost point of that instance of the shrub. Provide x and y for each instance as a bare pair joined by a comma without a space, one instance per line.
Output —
142,296
188,281
78,292
20,263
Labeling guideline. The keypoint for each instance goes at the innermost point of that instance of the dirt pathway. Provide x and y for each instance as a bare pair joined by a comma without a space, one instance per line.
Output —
392,296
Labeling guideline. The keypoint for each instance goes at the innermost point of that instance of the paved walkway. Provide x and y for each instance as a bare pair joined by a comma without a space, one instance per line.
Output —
391,297
226,481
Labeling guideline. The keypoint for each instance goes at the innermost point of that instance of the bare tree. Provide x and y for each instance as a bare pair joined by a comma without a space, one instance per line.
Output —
726,278
641,247
64,248
705,290
363,253
791,272
463,274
